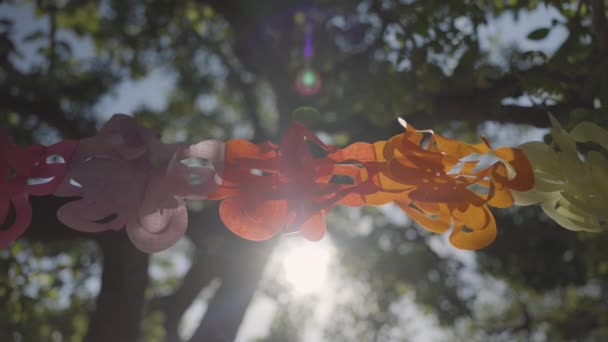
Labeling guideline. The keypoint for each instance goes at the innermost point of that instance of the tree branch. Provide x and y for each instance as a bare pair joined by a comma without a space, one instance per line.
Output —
216,253
240,276
52,39
174,305
237,71
476,109
361,128
600,25
47,110
478,105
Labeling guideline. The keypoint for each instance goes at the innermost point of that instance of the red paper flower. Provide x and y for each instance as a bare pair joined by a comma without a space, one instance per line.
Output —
24,172
268,188
126,177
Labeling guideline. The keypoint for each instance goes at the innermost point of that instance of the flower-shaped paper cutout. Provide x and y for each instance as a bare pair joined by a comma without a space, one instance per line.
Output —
438,190
24,172
572,187
125,177
288,188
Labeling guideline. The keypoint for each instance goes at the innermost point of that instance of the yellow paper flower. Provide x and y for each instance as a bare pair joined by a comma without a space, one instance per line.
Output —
572,187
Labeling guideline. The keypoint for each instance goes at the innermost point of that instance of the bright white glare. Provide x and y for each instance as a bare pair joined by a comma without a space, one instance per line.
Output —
306,267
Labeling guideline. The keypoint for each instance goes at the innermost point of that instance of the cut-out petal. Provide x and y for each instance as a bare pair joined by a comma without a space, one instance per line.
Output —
590,132
432,216
254,220
23,217
86,215
314,228
154,232
481,230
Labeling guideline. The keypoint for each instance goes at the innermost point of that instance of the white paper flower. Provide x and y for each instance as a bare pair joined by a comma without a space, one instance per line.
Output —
572,187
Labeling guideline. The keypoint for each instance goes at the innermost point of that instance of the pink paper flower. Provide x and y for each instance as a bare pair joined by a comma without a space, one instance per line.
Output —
126,177
24,172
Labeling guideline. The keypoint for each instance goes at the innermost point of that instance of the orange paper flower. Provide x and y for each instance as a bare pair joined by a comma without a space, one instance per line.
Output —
437,189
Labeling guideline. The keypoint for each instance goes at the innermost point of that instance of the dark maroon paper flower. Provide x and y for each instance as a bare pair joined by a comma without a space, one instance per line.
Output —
36,170
126,177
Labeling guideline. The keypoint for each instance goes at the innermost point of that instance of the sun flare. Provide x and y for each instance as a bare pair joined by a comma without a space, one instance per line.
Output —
306,266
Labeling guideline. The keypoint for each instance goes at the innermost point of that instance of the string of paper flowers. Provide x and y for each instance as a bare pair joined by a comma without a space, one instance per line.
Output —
124,177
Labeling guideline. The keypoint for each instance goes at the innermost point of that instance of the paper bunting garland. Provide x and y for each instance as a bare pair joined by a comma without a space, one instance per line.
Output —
125,177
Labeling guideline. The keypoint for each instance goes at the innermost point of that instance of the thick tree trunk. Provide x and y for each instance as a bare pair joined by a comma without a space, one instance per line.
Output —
119,308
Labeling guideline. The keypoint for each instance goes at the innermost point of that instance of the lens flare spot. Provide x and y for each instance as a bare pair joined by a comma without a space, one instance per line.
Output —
308,82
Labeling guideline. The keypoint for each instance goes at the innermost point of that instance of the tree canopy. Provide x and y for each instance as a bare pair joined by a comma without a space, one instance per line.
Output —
232,69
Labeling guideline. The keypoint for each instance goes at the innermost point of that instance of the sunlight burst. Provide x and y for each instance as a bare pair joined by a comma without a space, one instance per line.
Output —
306,267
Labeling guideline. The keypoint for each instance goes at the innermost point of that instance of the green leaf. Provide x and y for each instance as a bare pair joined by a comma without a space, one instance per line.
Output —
538,34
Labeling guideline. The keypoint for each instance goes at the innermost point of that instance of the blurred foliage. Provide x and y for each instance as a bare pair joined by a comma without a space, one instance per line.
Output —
231,66
47,290
287,325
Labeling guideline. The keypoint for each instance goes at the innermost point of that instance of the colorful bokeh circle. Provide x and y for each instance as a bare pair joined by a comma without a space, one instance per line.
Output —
308,82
